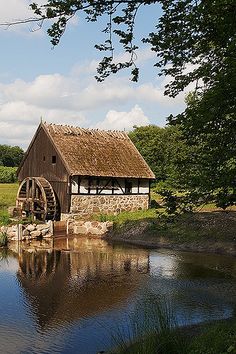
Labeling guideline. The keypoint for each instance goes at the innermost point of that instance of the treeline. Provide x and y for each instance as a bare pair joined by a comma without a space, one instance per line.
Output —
190,170
165,151
10,159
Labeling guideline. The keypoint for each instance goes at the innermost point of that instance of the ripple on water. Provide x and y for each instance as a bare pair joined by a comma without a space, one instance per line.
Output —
66,302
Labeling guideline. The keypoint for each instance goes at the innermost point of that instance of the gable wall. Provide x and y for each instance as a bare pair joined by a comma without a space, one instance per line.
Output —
35,166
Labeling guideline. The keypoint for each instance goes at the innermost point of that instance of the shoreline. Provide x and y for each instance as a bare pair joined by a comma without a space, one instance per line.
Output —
198,232
215,248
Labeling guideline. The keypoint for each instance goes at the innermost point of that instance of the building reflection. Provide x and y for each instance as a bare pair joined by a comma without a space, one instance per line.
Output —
78,278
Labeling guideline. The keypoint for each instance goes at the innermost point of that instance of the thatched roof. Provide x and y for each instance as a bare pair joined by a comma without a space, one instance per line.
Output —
91,152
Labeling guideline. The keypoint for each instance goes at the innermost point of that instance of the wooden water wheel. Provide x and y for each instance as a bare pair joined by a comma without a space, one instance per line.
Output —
36,197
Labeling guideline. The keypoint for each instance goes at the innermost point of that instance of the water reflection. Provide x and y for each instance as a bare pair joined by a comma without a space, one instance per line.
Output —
64,294
64,286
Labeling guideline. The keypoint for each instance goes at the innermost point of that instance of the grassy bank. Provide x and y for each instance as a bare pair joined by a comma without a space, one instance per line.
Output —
215,338
212,230
8,193
153,329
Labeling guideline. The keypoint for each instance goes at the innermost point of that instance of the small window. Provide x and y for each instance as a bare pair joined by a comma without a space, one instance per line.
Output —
54,159
128,187
44,158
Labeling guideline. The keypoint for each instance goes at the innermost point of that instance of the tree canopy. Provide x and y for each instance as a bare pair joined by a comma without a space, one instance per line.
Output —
10,156
193,39
194,42
165,151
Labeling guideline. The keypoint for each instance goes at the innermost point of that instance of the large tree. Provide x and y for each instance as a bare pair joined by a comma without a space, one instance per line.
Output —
193,35
165,151
195,42
10,156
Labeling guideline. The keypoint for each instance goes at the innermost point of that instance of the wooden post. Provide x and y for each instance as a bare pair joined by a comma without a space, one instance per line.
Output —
19,232
67,226
50,222
27,189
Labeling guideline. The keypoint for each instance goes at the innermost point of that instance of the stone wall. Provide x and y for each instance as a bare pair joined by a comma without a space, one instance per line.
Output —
93,228
86,205
27,232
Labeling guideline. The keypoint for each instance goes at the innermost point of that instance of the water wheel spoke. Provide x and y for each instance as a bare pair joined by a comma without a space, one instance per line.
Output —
36,197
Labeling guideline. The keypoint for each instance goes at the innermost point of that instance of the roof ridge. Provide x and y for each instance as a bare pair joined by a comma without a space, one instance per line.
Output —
75,130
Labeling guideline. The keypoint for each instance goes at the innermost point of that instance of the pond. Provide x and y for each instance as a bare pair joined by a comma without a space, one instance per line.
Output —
71,295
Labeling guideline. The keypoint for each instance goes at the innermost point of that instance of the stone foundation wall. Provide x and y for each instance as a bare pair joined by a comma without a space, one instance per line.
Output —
93,228
27,232
86,205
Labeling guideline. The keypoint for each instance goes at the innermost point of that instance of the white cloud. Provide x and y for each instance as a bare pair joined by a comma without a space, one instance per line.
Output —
17,10
90,67
19,120
124,120
75,99
56,91
14,10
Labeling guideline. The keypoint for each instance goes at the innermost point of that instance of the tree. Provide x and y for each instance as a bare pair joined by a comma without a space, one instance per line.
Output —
195,42
165,151
10,156
199,33
209,126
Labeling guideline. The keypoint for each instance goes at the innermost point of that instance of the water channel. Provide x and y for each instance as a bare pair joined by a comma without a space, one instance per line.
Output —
69,295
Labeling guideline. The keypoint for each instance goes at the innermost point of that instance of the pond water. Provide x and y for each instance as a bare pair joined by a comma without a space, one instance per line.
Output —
71,295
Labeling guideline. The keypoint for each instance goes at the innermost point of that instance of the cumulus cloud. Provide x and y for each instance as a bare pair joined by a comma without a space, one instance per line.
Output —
19,10
15,11
56,91
78,100
142,56
19,120
124,120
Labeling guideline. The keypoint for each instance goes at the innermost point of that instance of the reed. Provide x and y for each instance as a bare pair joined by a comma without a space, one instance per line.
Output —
150,329
3,239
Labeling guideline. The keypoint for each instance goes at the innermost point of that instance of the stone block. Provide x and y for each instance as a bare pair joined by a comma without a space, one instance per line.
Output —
42,227
94,223
35,233
13,237
79,223
30,227
25,232
95,231
47,235
80,230
44,232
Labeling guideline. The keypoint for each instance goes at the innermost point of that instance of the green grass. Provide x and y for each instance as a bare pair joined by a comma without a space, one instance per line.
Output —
8,193
127,216
3,239
215,339
152,329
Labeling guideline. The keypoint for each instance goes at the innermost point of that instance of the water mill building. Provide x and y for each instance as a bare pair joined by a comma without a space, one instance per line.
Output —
73,171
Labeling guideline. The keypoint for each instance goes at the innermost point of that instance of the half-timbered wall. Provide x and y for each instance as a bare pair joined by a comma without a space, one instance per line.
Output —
108,186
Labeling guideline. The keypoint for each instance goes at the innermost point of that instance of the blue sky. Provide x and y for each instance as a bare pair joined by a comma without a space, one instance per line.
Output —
59,86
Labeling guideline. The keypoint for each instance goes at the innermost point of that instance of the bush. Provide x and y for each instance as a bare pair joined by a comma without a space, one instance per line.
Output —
8,174
3,239
5,219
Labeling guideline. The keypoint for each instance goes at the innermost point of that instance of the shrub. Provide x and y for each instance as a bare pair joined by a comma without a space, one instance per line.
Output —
5,219
3,239
8,174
